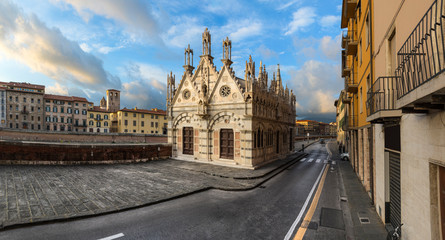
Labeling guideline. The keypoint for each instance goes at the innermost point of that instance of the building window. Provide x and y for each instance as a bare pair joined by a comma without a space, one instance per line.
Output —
156,125
106,124
91,115
69,110
62,120
126,114
98,130
134,130
91,123
97,124
126,122
38,101
105,130
151,116
84,112
142,123
32,101
55,109
48,108
106,117
156,116
134,114
134,123
24,99
76,111
142,115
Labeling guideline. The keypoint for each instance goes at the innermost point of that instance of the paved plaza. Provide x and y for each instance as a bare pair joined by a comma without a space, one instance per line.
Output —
43,193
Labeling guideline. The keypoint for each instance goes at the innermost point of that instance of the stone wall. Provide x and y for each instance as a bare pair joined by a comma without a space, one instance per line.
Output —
73,137
69,153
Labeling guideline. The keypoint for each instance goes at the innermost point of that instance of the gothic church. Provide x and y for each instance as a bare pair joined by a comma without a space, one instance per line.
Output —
216,117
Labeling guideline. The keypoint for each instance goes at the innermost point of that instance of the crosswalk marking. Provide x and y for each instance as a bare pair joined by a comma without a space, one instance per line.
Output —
302,160
310,160
318,161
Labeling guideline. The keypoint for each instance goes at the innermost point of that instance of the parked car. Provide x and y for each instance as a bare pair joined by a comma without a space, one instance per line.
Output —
322,141
344,156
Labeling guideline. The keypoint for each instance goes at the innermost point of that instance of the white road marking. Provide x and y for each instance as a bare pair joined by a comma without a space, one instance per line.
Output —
303,209
310,160
334,162
302,160
113,237
318,161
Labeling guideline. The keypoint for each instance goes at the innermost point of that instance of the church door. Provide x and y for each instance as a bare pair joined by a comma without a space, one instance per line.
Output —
187,137
226,141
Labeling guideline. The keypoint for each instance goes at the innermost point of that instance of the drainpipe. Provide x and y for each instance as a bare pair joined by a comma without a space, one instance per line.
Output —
372,81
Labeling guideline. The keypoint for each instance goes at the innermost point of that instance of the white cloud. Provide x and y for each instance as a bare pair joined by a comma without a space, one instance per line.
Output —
302,18
315,86
266,52
147,86
57,89
286,5
331,47
45,50
243,29
135,15
184,31
329,21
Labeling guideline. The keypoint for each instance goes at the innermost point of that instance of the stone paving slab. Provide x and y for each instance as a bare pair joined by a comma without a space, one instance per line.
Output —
33,193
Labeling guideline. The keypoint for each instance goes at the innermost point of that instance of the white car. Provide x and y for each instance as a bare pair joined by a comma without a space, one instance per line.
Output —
344,156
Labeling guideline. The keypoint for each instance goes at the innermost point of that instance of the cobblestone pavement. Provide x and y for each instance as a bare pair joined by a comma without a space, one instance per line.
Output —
41,193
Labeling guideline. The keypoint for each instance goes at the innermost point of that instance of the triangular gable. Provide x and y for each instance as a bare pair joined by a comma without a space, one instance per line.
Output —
230,81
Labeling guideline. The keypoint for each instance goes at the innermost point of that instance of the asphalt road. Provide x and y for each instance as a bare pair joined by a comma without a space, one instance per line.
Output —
267,212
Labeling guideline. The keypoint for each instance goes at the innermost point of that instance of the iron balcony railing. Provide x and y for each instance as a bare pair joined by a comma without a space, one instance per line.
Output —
350,122
351,81
421,57
346,66
382,95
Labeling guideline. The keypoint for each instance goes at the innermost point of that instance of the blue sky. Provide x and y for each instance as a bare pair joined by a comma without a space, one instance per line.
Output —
83,47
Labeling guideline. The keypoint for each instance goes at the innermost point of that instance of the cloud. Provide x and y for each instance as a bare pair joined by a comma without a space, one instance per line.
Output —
266,52
286,5
331,47
57,89
302,18
315,86
184,30
147,87
45,50
135,15
329,21
239,30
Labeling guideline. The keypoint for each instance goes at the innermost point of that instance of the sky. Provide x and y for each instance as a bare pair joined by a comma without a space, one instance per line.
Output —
83,47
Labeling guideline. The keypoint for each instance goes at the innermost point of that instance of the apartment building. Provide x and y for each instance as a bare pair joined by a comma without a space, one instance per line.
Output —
406,108
24,105
357,72
341,118
99,120
65,113
142,121
2,107
403,164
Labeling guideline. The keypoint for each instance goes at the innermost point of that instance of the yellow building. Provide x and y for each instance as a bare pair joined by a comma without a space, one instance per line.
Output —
357,70
141,121
99,120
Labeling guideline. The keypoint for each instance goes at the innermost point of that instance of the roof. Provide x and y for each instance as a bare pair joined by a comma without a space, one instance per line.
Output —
98,109
306,121
137,110
65,98
113,90
27,85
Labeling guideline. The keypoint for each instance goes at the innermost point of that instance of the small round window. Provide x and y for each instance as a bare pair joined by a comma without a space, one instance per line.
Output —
186,94
224,91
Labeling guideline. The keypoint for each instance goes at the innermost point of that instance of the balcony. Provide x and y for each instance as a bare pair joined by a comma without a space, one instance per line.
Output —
351,85
351,123
346,99
349,7
349,41
421,86
24,112
381,103
346,66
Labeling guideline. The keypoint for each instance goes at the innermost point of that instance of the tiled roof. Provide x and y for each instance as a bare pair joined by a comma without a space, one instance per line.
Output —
26,85
65,98
137,110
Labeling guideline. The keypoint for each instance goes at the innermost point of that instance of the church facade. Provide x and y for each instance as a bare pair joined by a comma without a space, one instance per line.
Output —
216,117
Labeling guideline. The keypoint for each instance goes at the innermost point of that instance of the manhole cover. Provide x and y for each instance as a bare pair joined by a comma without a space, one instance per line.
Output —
364,220
332,218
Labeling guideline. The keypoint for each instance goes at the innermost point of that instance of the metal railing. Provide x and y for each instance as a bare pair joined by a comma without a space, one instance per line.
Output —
382,95
350,123
421,57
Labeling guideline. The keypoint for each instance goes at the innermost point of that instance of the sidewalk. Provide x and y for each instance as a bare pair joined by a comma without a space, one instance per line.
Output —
30,194
361,219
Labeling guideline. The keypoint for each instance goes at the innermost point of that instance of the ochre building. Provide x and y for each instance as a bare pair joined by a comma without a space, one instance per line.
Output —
216,117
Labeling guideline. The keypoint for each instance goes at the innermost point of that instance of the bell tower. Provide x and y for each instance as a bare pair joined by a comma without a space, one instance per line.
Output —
113,100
